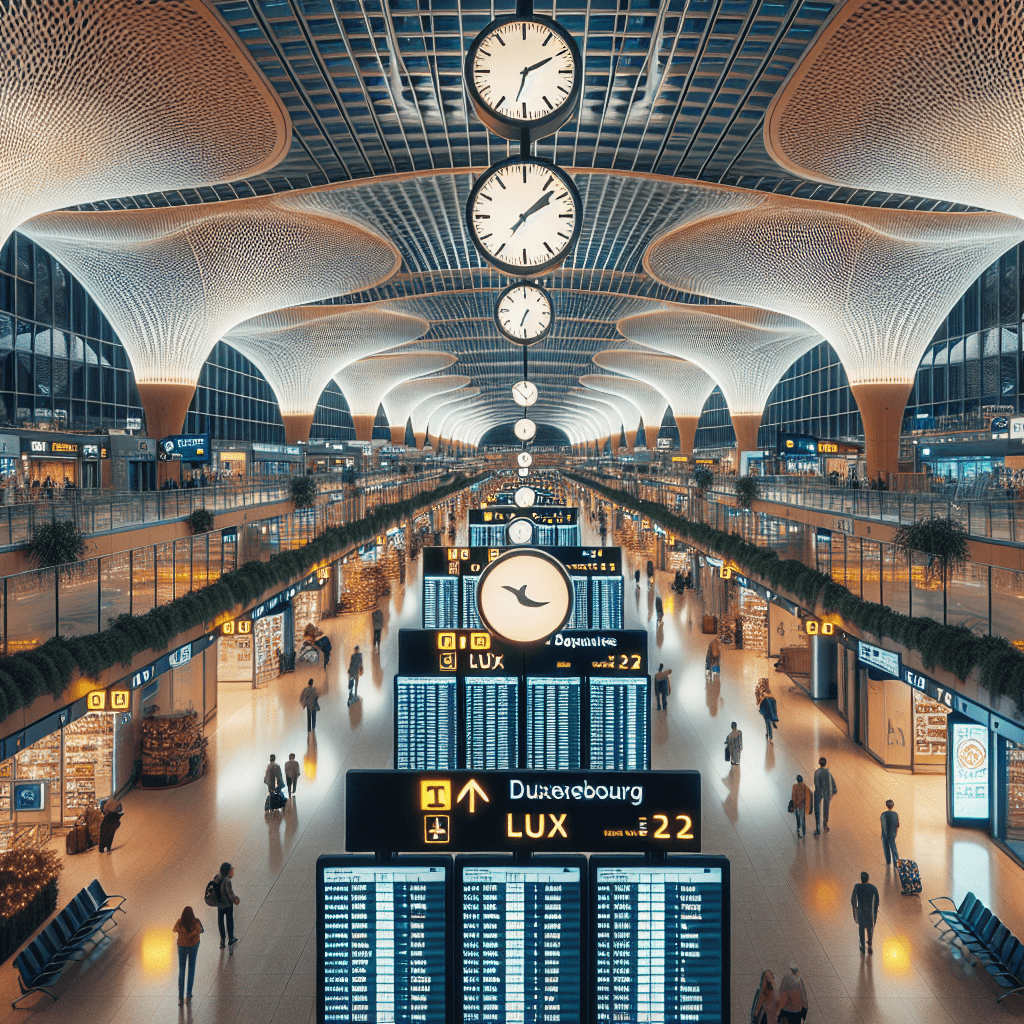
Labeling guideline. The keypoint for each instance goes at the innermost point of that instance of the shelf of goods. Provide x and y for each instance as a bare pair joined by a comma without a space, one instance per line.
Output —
173,749
88,762
1015,793
268,639
364,585
929,729
391,563
754,615
306,612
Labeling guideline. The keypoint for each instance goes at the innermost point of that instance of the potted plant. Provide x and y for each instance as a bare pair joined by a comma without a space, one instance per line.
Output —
943,540
746,491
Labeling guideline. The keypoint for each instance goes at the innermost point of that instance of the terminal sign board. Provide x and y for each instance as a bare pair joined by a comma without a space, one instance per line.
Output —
609,812
186,447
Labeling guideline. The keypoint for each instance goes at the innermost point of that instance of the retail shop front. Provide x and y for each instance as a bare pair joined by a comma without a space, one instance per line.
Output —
60,461
276,459
53,769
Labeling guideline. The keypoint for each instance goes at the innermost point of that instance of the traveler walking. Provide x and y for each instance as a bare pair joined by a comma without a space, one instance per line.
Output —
355,670
111,823
764,1001
227,904
659,608
713,661
865,909
324,643
378,624
309,699
272,776
792,997
636,576
768,709
890,826
661,687
800,805
734,744
188,928
291,773
824,789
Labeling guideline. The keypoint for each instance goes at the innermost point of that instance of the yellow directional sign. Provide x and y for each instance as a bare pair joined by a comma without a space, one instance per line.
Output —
473,790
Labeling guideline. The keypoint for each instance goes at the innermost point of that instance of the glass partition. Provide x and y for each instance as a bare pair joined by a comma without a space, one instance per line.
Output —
115,587
896,579
31,610
79,599
143,580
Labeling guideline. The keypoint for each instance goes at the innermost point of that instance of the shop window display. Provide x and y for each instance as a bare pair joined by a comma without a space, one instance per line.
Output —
1015,797
929,732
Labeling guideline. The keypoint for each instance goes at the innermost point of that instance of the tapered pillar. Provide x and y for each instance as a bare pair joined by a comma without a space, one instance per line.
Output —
630,440
165,406
420,436
687,427
602,444
881,408
398,434
297,426
364,427
746,425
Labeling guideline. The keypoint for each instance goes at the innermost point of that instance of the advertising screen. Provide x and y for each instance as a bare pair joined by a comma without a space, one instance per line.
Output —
383,939
519,943
968,753
660,941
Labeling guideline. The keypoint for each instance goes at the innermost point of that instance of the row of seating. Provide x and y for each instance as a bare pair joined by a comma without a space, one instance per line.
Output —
41,963
984,937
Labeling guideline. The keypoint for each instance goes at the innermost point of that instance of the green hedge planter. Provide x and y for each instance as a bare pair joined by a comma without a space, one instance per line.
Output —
49,668
954,648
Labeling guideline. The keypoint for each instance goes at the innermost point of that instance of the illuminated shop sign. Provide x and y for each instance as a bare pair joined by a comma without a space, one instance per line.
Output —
186,447
108,700
969,763
876,658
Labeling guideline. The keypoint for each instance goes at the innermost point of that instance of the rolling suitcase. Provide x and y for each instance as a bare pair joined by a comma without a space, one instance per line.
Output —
275,801
77,840
910,877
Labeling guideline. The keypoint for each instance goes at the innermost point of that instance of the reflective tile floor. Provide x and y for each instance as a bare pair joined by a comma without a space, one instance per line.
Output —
790,896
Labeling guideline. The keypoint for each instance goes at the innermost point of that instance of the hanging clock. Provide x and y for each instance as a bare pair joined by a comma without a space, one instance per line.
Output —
523,472
525,497
525,429
524,313
524,393
525,459
524,216
524,596
524,72
519,531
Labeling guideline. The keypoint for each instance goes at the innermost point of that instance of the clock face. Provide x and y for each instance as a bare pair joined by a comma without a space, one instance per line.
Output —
524,216
524,472
524,313
524,459
525,429
520,531
524,596
525,497
523,73
524,393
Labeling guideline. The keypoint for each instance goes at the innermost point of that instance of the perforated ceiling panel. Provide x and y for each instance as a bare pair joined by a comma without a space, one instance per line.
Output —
403,399
911,96
684,385
425,409
648,401
365,383
104,98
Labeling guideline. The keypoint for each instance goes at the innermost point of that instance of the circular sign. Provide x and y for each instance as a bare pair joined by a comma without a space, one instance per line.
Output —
523,471
524,393
524,596
525,459
525,497
520,531
525,429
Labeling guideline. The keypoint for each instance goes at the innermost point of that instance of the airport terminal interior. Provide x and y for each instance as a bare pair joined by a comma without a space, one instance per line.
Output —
511,512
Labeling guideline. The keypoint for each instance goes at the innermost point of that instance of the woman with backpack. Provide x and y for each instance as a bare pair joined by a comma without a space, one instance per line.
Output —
764,1000
219,894
188,928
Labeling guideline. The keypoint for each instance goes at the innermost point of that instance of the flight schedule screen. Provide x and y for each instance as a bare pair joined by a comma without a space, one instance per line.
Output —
619,714
659,943
552,723
521,940
383,954
441,602
425,729
492,722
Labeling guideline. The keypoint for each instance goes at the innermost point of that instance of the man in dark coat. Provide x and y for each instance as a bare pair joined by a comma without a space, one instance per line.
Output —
865,909
111,823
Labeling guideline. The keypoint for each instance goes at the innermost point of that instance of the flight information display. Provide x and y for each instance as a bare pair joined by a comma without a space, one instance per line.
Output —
425,722
492,722
580,618
619,723
486,534
519,945
383,940
553,723
606,602
440,602
470,616
660,940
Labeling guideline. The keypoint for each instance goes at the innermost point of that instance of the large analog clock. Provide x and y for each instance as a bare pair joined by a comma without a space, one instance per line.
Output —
525,429
524,393
524,216
524,596
525,460
525,497
524,313
519,532
524,72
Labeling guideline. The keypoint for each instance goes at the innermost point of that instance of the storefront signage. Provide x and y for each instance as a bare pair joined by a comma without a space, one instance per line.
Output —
175,659
876,658
94,451
597,811
664,443
797,445
187,447
1017,428
108,700
64,449
969,771
276,449
706,462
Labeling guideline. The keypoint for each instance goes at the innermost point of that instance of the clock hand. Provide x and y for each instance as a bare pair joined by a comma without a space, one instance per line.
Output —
526,71
539,205
525,315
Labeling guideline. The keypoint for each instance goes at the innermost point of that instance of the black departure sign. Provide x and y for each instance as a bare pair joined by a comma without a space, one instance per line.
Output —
547,515
553,811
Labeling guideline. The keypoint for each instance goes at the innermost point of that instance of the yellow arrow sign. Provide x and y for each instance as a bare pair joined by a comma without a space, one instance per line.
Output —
472,790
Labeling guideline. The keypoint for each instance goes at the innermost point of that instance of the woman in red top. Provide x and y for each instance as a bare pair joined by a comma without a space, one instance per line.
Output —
189,928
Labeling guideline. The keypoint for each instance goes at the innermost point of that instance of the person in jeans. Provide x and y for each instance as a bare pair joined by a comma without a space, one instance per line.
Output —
291,773
824,790
189,928
378,624
355,670
308,699
890,826
865,909
226,906
661,687
800,794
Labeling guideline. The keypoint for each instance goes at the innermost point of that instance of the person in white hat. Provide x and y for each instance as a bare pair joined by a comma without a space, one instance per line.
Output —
792,996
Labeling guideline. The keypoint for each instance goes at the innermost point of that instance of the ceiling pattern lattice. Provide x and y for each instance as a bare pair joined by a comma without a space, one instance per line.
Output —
401,402
625,392
367,381
684,385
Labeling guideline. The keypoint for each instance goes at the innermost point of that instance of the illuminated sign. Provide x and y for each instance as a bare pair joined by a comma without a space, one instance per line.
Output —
664,443
108,700
495,811
187,447
812,627
876,658
968,753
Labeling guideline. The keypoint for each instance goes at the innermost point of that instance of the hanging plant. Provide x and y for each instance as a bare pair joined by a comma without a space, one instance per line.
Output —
56,543
303,490
201,520
746,490
703,479
943,540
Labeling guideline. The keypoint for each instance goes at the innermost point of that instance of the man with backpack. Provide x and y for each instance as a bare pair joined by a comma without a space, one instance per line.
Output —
219,894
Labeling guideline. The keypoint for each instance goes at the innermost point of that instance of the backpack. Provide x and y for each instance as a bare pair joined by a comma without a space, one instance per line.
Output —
212,895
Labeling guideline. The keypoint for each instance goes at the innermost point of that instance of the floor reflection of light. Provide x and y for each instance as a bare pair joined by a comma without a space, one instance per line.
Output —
972,871
825,897
895,956
309,766
157,951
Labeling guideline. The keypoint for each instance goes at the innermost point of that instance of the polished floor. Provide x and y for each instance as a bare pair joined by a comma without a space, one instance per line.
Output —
790,897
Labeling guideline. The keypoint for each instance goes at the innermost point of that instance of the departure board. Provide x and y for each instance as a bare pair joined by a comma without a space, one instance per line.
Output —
580,608
383,940
567,535
440,602
425,726
545,536
484,535
470,615
553,723
492,722
660,940
606,602
619,723
519,948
